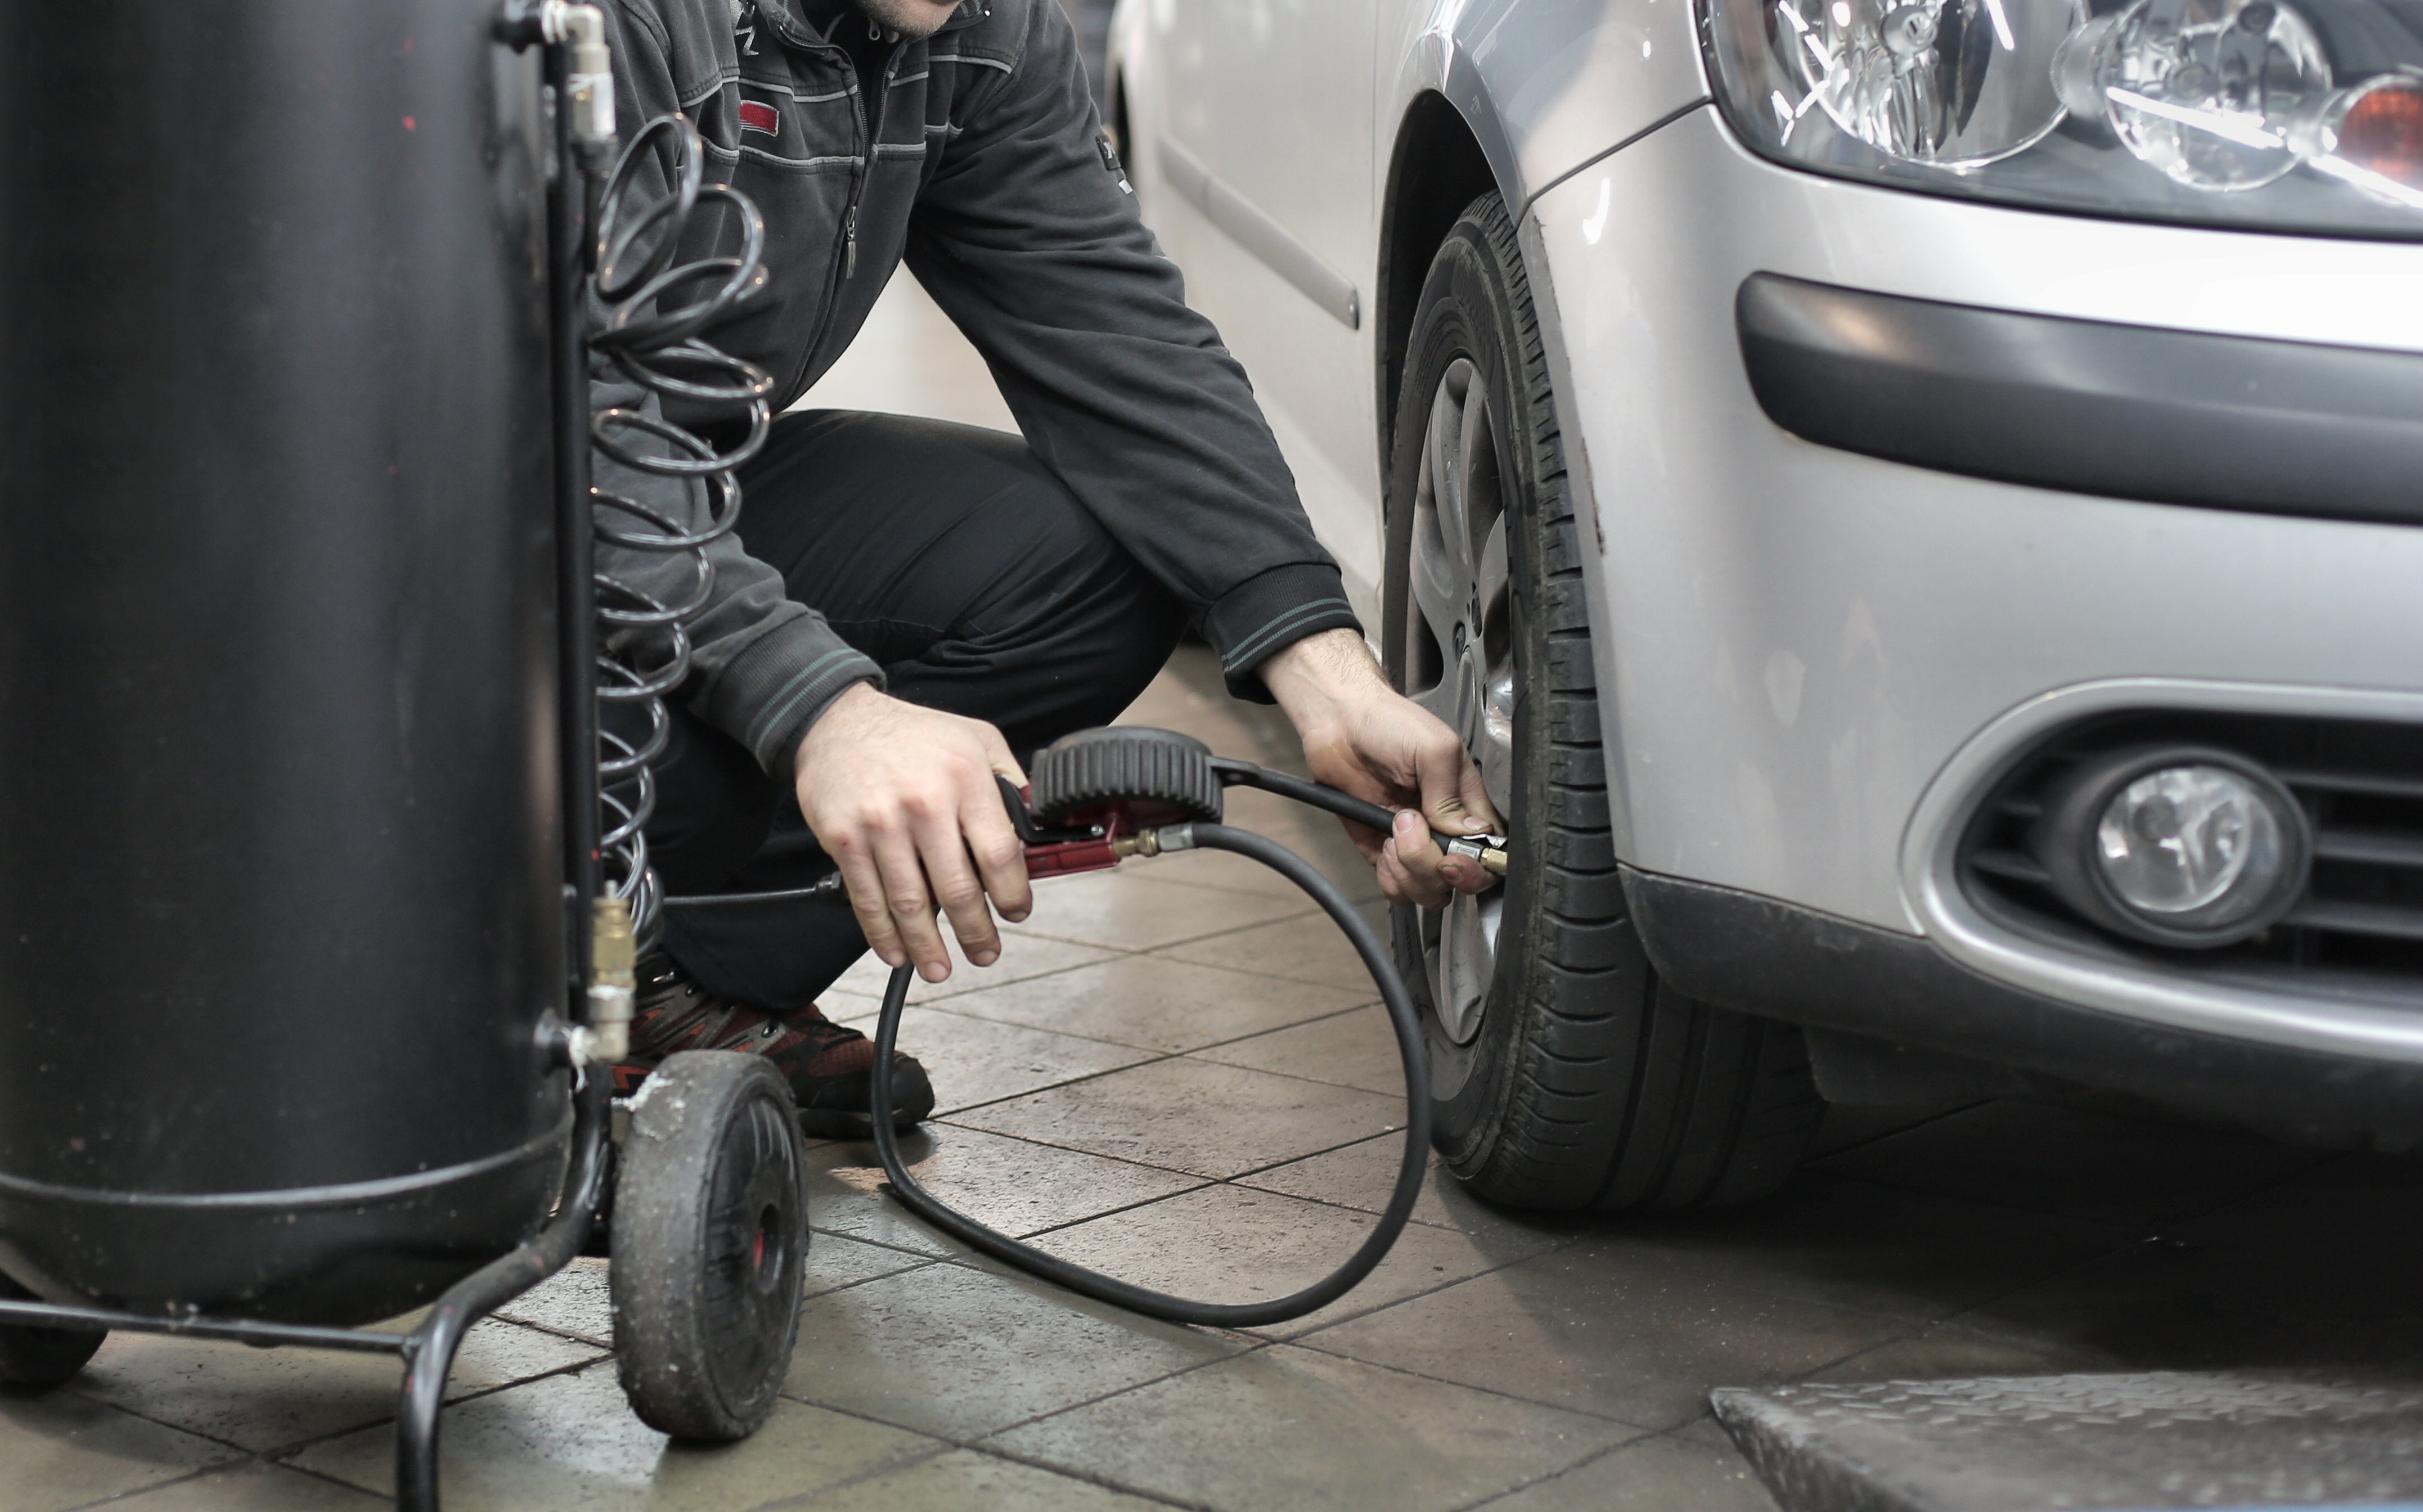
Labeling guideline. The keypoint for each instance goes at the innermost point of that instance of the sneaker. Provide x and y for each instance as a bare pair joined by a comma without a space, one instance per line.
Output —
828,1066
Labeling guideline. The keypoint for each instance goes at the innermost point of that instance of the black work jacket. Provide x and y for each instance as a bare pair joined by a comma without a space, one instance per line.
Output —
976,156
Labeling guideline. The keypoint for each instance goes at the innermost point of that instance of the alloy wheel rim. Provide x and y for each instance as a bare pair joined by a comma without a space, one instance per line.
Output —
1459,659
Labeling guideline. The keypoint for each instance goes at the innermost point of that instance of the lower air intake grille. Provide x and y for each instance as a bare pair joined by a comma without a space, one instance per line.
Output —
2358,927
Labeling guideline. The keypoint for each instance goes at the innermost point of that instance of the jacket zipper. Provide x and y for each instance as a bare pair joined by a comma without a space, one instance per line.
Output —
868,138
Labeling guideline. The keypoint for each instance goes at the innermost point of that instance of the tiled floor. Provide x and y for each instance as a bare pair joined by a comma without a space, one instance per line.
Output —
1176,1074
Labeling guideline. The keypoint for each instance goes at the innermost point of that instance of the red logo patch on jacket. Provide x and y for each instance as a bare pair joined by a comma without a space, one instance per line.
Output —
755,117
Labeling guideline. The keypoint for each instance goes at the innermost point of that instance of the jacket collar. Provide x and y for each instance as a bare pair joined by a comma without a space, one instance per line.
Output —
811,23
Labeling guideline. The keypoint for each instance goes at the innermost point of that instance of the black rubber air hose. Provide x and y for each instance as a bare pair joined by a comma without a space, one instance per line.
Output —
1143,1300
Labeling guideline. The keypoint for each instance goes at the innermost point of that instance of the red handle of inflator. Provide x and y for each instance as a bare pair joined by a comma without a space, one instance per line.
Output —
1095,852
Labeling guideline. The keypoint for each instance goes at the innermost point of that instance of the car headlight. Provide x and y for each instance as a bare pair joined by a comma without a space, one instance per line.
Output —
2303,115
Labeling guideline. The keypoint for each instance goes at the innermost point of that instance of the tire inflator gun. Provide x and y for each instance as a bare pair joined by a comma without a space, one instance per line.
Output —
1098,797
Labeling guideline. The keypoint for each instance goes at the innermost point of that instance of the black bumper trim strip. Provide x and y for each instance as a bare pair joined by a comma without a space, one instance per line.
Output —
2129,412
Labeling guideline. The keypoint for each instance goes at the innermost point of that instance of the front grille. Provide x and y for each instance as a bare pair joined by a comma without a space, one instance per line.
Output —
2358,927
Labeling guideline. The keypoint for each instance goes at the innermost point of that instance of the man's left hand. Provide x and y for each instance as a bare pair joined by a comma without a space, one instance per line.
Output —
1364,738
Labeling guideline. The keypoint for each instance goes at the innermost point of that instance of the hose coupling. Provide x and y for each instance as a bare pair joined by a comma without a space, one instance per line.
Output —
613,983
1154,842
589,83
1489,850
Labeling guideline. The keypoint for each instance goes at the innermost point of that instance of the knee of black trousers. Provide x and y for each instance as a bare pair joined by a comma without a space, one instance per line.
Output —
1069,649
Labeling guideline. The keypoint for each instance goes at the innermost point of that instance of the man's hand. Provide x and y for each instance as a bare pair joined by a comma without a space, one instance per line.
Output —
903,797
1365,737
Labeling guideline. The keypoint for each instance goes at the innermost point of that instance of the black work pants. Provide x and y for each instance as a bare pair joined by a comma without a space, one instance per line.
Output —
959,565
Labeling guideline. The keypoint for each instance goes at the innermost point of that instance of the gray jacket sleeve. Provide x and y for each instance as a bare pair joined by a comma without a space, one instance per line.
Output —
763,666
1027,237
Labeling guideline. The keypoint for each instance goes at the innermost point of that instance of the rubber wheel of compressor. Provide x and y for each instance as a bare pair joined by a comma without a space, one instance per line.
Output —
711,1237
1589,1083
41,1357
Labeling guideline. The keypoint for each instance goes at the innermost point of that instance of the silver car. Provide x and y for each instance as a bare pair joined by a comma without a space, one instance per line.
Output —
1913,503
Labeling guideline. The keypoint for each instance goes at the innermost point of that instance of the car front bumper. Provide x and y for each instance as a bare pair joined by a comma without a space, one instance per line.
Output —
1814,662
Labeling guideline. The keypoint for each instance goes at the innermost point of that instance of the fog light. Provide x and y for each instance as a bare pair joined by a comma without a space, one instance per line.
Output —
2174,845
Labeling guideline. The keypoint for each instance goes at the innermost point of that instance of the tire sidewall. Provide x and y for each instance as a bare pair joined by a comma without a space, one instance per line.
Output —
1469,308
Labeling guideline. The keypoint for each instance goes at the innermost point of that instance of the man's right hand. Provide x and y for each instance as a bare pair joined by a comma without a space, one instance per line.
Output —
903,798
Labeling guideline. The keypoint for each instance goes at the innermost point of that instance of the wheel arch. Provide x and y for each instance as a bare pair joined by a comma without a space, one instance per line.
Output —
1438,164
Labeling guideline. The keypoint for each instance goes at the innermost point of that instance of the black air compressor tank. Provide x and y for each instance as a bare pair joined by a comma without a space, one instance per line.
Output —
279,878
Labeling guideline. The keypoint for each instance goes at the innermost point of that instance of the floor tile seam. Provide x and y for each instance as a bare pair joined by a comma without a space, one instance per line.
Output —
1152,1057
1349,1207
980,1443
838,1287
1089,1477
1195,1176
114,1498
1077,1149
1173,944
1282,891
880,1244
1312,1155
1860,1353
936,1449
2274,1184
239,1451
1310,1081
282,1453
1377,1309
574,1368
1896,1133
551,1329
936,1004
320,1475
1304,1341
1281,1028
1587,1460
1201,1185
1247,1344
1267,976
942,1005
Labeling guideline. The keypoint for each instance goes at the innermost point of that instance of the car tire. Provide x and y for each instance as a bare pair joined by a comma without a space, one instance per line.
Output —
1564,1074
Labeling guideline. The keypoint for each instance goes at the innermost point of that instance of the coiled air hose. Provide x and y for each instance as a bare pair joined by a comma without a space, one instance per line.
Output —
651,310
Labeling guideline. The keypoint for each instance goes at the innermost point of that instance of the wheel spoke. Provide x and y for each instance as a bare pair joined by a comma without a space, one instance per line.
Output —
1451,430
1437,591
1489,576
1476,481
1494,750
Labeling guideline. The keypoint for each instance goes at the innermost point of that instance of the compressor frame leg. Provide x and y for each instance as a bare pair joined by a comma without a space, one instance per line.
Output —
429,1350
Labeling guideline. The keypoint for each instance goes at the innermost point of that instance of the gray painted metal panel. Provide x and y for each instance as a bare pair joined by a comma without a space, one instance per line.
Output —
1802,638
1546,87
1261,236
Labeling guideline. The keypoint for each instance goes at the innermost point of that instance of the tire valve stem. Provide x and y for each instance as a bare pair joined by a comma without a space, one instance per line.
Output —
614,980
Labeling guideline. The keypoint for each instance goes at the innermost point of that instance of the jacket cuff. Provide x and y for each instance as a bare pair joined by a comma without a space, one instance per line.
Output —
776,690
1270,612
